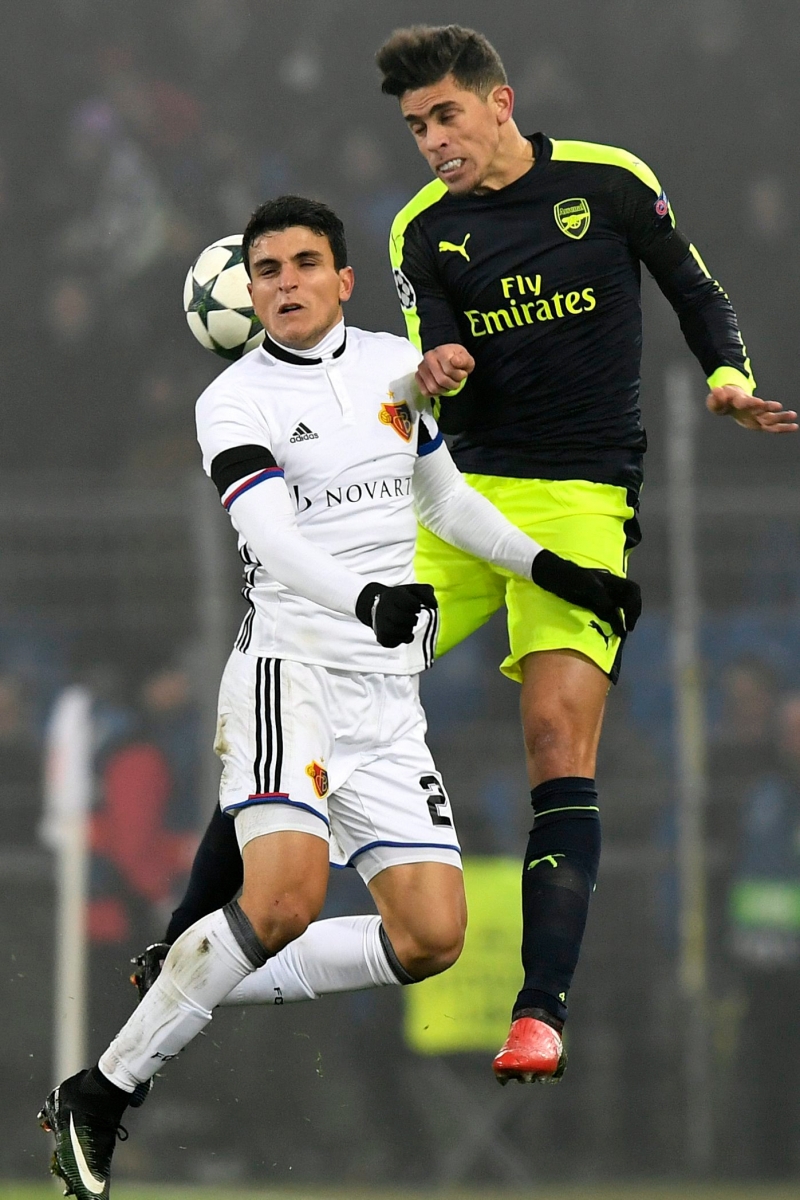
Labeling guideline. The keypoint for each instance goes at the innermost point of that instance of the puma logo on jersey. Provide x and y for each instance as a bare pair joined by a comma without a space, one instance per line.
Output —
303,434
462,249
605,636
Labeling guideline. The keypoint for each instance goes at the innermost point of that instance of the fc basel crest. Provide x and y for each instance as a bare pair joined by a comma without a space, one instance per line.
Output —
319,777
572,217
399,417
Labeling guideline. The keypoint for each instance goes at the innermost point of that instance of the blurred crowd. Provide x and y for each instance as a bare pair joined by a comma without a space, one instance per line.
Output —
145,810
132,138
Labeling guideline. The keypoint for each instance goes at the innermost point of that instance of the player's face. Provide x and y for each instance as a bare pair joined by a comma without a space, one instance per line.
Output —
457,131
296,290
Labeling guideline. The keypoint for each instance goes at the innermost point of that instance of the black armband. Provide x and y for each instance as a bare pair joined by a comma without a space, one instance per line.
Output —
233,465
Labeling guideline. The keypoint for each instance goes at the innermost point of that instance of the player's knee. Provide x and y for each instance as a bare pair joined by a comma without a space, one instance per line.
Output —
432,950
546,731
446,953
554,738
279,920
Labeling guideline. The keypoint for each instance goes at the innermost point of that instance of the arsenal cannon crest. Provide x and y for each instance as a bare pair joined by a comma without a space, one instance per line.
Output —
572,217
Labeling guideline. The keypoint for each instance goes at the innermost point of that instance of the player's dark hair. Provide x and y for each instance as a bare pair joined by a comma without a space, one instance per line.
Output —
425,54
287,211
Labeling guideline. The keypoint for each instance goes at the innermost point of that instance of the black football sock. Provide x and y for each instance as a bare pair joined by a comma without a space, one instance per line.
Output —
102,1098
558,878
216,876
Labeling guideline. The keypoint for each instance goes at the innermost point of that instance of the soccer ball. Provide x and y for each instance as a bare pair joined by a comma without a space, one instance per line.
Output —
217,303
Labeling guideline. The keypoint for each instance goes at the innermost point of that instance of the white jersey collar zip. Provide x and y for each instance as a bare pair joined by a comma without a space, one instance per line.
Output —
325,354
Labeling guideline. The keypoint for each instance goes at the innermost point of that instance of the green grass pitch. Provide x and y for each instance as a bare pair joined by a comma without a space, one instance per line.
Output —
628,1191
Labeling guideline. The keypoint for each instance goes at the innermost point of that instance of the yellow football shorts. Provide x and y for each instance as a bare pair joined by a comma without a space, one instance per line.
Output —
593,524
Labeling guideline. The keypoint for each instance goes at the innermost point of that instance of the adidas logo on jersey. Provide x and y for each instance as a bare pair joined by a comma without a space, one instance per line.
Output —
303,434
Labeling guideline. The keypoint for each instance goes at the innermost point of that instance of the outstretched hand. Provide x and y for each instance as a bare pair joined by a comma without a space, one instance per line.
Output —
768,416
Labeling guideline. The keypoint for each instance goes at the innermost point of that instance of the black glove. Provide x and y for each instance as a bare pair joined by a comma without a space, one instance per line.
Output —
614,600
391,612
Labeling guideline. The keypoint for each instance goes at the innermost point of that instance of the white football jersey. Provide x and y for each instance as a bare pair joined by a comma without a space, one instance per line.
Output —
344,442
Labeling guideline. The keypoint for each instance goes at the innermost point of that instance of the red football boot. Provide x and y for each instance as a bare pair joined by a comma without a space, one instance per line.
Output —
533,1053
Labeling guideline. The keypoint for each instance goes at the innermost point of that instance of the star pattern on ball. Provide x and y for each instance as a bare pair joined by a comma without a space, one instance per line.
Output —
217,304
202,301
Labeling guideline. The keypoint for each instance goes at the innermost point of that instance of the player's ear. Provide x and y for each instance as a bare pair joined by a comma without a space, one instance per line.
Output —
250,288
347,282
501,100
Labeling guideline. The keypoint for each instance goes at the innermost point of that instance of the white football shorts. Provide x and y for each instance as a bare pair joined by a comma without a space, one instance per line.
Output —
338,755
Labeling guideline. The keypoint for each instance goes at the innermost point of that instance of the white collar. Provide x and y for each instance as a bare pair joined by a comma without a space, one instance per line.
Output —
330,346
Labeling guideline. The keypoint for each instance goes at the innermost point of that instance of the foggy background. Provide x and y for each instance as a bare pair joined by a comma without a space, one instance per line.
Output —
131,136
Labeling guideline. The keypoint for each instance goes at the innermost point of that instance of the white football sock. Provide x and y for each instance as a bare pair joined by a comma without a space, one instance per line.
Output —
343,954
205,963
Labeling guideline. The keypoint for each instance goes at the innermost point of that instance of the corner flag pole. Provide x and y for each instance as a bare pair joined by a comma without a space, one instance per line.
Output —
691,766
68,795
